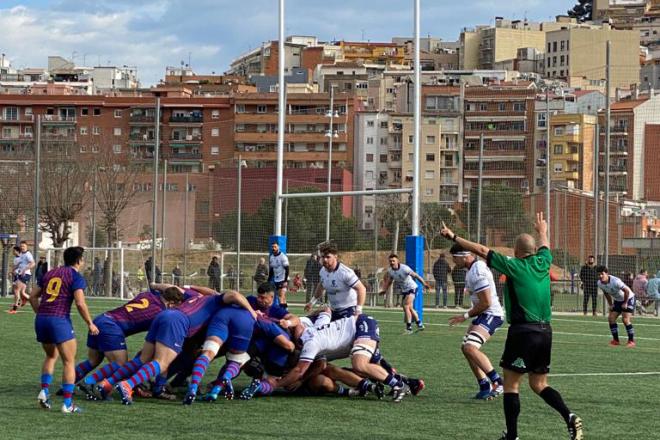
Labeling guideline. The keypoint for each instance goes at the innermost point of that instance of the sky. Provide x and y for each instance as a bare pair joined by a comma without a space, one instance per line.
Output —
153,34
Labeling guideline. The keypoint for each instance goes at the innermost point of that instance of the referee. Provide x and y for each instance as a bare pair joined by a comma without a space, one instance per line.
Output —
529,340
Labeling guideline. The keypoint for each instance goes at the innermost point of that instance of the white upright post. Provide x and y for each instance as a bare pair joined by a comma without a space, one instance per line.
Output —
121,270
281,102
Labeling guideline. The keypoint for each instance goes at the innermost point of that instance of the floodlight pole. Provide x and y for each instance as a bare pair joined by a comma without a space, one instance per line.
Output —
37,188
154,208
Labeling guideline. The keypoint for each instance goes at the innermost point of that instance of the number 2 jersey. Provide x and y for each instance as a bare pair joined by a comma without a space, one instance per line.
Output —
57,288
137,315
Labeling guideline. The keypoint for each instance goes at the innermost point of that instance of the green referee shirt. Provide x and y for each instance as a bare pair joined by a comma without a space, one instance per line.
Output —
527,289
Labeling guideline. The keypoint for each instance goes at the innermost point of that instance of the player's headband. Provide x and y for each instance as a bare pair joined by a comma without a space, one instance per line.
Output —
460,254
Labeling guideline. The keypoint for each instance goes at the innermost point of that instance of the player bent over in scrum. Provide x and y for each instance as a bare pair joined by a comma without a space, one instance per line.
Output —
487,313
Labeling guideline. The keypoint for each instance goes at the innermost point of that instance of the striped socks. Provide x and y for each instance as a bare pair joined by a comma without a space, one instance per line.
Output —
67,393
125,370
82,369
265,388
102,373
199,368
46,379
230,370
144,374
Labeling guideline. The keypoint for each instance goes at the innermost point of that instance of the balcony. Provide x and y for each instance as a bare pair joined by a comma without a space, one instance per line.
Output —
141,139
619,130
187,139
614,170
22,119
569,157
57,120
142,118
394,147
59,137
19,138
190,119
186,155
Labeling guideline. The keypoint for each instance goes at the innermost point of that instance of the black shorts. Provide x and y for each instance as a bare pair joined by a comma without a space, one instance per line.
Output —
528,348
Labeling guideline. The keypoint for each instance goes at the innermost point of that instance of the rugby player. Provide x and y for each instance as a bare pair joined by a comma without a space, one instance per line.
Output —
404,277
51,301
278,272
24,262
621,301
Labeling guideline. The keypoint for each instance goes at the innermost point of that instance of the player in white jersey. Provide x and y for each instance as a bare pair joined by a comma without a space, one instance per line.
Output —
488,317
355,336
278,267
346,293
24,263
404,278
621,301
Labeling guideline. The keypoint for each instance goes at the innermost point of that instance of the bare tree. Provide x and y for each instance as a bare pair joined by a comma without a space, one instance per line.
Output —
115,190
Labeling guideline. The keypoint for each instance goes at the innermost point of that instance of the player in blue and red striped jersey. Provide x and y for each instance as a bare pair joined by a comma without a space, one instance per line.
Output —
51,301
115,325
168,331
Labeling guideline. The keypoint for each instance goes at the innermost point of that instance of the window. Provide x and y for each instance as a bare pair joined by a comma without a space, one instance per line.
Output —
518,106
96,131
370,141
383,141
561,45
449,160
215,132
117,113
116,149
554,46
559,131
411,139
558,149
240,108
383,124
561,60
383,158
215,114
83,131
117,131
95,148
261,109
554,61
429,174
97,111
430,157
28,131
430,140
370,157
501,107
469,107
558,167
428,191
84,111
215,150
549,46
370,123
28,111
483,107
83,148
11,113
540,120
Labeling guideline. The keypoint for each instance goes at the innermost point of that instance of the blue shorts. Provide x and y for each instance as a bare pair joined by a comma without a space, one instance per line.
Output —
234,326
170,328
628,307
53,329
366,327
342,313
412,292
25,278
110,338
488,322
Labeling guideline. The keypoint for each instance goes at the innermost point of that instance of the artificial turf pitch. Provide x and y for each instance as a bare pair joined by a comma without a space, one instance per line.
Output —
590,375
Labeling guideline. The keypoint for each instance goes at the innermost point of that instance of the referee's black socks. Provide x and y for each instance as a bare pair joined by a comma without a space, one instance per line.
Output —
511,412
553,398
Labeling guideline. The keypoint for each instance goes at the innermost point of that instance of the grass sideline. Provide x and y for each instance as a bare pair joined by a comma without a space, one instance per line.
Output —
612,405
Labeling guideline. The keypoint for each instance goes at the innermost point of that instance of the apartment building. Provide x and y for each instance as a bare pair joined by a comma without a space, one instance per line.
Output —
263,59
193,130
485,46
307,126
572,139
504,115
633,147
370,172
578,54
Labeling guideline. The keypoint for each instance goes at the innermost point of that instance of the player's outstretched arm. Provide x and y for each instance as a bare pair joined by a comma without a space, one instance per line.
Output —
475,248
285,343
294,375
318,294
34,298
233,297
203,290
81,305
361,295
541,227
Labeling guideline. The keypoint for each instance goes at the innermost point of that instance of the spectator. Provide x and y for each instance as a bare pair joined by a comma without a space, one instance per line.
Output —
589,279
147,270
358,272
440,272
627,278
639,289
296,283
312,269
97,276
653,291
499,279
214,274
42,268
140,277
261,272
177,275
231,277
458,277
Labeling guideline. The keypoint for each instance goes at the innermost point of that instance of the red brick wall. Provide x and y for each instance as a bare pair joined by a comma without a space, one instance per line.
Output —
652,162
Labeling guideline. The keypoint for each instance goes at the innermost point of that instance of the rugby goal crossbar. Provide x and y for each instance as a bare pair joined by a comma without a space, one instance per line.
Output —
373,192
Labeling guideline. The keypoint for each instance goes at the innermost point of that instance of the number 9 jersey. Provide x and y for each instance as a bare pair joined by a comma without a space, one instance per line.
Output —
57,288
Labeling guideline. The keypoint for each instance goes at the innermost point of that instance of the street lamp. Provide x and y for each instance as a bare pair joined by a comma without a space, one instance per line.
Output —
331,134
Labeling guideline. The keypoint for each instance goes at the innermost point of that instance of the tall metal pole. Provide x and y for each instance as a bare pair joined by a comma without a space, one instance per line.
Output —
96,172
331,135
281,102
417,121
547,159
162,218
154,209
480,190
606,169
238,224
185,232
37,188
596,191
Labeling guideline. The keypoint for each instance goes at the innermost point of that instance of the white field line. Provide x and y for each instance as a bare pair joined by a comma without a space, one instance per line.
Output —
633,373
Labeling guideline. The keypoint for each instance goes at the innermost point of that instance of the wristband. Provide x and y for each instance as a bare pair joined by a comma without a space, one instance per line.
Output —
358,309
186,286
466,315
